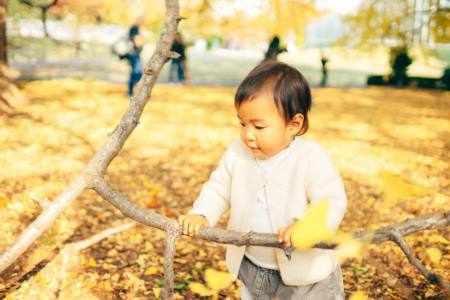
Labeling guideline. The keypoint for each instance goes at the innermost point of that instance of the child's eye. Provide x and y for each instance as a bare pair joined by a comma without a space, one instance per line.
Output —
259,127
241,124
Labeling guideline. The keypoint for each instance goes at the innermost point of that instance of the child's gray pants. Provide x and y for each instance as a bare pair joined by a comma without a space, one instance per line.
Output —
261,284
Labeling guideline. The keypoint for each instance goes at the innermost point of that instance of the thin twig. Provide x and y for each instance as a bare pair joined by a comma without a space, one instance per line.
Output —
433,278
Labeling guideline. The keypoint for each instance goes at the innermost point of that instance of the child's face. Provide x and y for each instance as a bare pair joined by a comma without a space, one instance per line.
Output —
263,128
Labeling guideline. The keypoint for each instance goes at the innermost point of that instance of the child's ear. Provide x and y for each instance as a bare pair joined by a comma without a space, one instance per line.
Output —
295,124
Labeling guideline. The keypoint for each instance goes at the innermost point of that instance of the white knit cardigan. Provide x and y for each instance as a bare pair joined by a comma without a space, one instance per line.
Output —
306,175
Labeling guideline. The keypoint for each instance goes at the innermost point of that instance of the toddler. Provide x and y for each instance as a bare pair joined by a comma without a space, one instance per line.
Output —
268,178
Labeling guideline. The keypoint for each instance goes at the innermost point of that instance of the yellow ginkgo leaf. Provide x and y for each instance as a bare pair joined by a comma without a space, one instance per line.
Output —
313,227
434,254
395,188
151,271
106,285
359,295
4,202
91,262
157,292
217,280
200,289
153,192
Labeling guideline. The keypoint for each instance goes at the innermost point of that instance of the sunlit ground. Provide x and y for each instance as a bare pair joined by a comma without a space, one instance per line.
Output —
179,140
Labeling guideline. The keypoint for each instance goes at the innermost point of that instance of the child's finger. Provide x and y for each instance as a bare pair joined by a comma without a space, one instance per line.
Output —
280,234
287,236
197,228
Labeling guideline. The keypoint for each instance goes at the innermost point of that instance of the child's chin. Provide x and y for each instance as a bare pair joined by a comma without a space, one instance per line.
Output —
259,156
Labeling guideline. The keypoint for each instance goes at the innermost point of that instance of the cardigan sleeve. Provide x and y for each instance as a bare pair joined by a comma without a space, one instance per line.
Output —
214,198
324,183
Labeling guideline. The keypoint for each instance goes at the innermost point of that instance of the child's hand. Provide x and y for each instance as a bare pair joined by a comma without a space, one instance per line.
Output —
191,223
284,234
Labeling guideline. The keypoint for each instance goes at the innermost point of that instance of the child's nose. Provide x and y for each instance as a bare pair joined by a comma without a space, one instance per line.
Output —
249,135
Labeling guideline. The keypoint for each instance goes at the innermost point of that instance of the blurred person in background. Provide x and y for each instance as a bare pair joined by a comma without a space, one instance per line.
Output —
274,49
134,57
400,63
178,66
323,62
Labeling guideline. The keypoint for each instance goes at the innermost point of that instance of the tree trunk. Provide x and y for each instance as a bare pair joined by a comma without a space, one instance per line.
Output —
10,96
3,43
44,21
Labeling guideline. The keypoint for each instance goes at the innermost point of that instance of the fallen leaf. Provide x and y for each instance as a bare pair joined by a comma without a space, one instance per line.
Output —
434,254
200,289
157,292
217,280
169,213
153,203
91,262
359,295
151,271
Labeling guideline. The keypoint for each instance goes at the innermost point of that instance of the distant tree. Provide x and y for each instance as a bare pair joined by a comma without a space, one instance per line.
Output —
279,17
10,96
291,17
399,23
43,7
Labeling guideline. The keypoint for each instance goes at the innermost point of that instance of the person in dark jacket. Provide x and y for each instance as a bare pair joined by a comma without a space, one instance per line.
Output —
324,62
178,65
274,49
134,57
400,65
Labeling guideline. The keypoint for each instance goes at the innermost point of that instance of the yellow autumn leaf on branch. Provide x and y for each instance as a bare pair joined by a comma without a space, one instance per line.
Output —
313,227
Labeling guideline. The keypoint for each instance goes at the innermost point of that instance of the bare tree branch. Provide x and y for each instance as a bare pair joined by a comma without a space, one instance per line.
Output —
42,222
389,233
39,5
132,210
102,235
103,157
44,7
171,237
92,177
407,227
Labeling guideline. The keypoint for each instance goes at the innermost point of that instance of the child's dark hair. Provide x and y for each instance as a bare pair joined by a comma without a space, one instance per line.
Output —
289,89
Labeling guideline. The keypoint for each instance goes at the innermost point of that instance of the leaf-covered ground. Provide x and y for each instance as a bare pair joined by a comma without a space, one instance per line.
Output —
181,135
